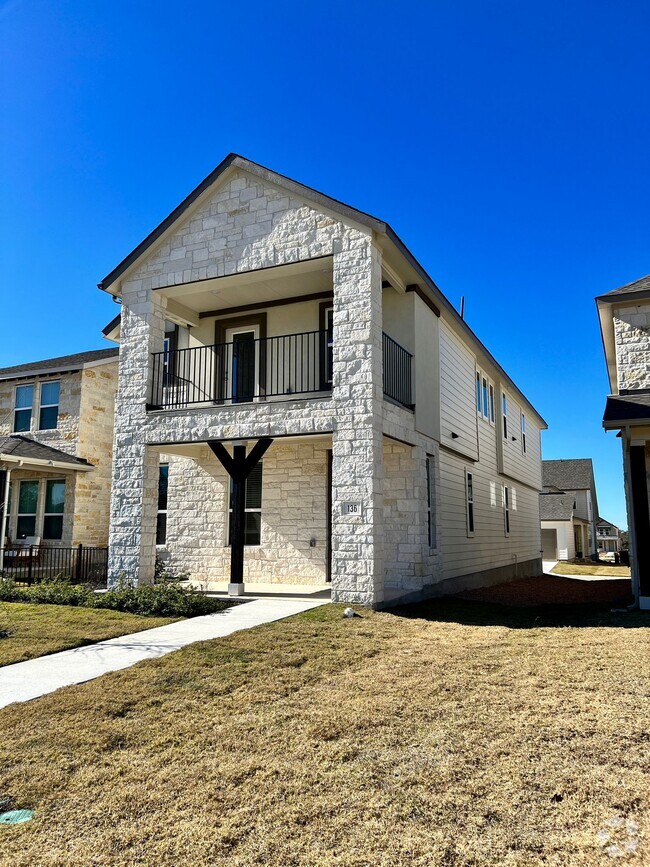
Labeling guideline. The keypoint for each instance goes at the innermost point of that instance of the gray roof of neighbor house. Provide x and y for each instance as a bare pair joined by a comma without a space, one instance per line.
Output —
63,362
434,294
16,446
640,286
602,521
556,507
574,474
627,407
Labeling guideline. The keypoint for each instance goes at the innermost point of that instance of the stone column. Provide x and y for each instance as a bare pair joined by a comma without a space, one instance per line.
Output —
357,459
134,491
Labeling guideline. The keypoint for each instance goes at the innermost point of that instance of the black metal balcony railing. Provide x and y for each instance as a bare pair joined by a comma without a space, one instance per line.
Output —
250,369
397,372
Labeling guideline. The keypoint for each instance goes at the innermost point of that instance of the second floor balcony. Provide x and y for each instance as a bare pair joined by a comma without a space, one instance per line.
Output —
249,368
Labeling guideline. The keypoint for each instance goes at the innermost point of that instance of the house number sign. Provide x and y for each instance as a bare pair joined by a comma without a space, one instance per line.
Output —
352,509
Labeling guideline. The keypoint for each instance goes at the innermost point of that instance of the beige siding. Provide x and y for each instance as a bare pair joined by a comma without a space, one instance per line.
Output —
457,395
525,467
566,549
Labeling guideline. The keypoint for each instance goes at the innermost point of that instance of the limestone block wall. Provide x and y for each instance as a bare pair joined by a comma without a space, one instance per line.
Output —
65,436
632,335
294,511
95,444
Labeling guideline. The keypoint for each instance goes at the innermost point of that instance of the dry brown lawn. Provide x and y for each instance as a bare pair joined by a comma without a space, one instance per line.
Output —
35,630
603,570
456,733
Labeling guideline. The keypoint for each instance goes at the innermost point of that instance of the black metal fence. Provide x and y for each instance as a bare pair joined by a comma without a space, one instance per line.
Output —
397,372
290,365
249,369
80,565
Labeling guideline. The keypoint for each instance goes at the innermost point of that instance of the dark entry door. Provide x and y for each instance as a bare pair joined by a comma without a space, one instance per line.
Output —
243,366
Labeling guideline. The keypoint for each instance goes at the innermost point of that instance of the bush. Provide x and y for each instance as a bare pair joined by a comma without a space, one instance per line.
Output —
159,600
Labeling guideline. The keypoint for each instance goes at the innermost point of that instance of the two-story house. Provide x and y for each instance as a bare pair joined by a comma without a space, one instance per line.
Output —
56,446
608,537
568,508
299,402
624,317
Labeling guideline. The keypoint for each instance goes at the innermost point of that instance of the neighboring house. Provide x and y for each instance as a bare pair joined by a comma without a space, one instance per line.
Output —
568,507
263,319
625,326
56,446
608,537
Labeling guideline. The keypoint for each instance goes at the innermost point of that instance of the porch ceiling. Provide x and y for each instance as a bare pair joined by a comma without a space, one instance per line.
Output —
200,450
253,287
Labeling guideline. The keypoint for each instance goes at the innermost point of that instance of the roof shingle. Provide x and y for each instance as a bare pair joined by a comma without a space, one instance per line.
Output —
575,474
63,362
556,507
23,447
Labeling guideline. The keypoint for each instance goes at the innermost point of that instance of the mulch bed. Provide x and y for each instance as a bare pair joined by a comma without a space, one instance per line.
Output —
554,590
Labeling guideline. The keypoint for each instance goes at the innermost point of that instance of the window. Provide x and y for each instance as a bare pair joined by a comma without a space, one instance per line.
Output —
484,397
23,408
54,505
49,414
27,505
523,433
161,517
469,500
506,509
504,412
431,502
326,338
252,506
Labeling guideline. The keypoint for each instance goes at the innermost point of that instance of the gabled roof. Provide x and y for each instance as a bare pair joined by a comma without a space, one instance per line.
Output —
622,408
62,363
601,522
432,292
637,287
557,507
575,474
15,447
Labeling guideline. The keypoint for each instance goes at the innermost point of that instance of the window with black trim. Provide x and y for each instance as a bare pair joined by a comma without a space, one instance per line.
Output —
24,400
506,509
523,433
54,507
469,502
504,413
252,508
48,417
161,516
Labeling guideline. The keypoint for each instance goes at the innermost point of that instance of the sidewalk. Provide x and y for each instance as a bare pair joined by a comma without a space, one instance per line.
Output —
35,677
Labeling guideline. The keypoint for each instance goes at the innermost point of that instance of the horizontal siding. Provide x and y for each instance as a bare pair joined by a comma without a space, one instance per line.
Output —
457,394
526,468
489,547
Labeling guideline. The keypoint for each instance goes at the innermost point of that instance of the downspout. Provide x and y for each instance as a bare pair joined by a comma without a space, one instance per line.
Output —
3,522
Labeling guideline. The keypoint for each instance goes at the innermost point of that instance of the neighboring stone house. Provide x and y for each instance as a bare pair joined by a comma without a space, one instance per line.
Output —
608,537
56,447
262,319
568,508
625,326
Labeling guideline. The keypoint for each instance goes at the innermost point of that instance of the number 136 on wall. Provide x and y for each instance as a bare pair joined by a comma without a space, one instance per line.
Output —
351,508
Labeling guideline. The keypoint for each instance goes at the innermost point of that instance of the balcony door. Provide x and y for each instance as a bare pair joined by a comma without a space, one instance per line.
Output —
240,360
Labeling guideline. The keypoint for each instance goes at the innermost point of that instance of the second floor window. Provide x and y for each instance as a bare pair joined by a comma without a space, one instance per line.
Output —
49,413
504,412
523,433
23,408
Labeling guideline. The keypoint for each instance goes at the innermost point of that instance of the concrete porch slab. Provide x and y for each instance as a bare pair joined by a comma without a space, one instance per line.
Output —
260,590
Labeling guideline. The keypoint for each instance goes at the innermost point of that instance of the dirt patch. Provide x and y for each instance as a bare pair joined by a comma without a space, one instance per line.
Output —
554,590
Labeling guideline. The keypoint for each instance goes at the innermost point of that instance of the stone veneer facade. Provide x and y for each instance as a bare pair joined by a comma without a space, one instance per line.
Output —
244,225
85,430
632,335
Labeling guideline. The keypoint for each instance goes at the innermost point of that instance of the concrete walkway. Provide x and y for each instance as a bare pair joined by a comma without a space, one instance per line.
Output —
35,677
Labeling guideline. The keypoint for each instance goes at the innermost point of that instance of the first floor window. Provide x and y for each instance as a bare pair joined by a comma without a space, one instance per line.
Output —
54,506
27,505
252,506
506,509
431,502
469,501
23,408
161,517
49,413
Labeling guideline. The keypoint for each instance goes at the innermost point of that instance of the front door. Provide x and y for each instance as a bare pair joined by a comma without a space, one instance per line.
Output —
243,374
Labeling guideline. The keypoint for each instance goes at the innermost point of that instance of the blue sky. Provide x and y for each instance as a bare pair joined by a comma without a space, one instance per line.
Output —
506,143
